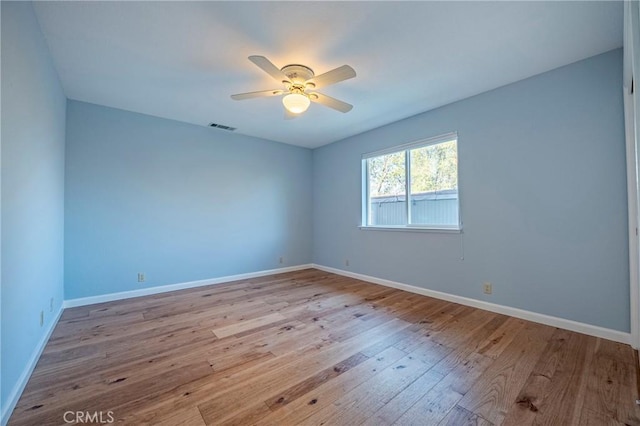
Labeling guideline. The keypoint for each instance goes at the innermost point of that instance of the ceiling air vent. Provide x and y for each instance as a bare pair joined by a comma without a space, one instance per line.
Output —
222,126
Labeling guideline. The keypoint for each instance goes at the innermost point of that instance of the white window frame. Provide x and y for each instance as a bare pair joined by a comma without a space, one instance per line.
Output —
364,223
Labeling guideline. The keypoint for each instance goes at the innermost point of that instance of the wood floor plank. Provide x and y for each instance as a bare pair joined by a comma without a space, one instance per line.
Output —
458,330
310,347
277,339
186,417
108,396
594,418
472,339
496,343
399,404
251,324
356,406
435,404
199,391
146,409
250,387
326,394
246,416
547,396
458,416
493,395
308,385
610,383
102,379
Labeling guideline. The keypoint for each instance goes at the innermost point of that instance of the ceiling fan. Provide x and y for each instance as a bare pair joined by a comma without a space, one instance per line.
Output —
299,82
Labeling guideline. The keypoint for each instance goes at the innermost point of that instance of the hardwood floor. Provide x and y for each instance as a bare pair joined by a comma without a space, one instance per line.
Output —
314,348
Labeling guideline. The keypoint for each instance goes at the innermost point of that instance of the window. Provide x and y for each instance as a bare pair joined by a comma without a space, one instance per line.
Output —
414,186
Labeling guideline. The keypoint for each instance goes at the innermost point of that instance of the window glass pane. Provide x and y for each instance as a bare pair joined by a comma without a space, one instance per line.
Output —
434,184
387,190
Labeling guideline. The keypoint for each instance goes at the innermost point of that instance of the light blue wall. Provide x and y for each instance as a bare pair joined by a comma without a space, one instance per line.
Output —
33,138
543,198
177,202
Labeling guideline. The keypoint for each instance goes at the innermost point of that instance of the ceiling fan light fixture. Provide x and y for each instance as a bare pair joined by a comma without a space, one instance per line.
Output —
297,79
296,103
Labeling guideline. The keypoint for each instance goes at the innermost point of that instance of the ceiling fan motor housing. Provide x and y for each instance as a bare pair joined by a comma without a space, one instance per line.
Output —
298,74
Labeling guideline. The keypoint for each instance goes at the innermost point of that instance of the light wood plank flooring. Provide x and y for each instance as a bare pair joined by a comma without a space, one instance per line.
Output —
314,348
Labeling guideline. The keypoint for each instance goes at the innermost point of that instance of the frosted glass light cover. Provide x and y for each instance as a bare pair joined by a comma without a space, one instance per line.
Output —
296,103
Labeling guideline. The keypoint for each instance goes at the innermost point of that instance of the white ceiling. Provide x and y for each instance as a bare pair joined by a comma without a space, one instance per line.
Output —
182,60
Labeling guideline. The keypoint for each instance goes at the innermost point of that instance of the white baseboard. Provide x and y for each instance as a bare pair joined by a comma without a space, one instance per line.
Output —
26,373
92,300
591,330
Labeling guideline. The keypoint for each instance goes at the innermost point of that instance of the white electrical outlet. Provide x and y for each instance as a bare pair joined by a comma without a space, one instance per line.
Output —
41,318
140,277
487,288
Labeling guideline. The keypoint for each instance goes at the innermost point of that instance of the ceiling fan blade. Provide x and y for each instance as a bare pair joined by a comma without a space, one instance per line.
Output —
260,94
330,102
342,73
267,66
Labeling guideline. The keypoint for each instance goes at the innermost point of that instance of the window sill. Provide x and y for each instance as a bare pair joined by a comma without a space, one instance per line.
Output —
411,229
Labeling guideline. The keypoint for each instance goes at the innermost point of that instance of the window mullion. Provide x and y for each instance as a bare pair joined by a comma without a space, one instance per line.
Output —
366,197
407,182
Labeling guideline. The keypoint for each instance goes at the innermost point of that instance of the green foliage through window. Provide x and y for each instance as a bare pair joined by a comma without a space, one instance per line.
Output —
387,175
434,167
